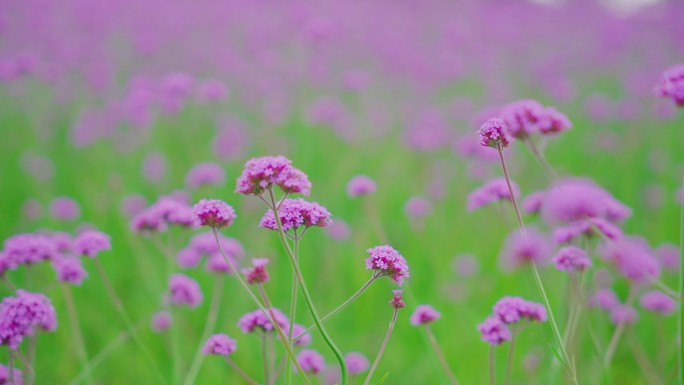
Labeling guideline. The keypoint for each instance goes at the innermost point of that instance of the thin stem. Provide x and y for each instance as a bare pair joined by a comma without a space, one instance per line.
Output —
341,306
241,372
382,347
26,364
667,290
99,357
375,220
32,359
208,327
307,297
509,360
118,305
617,334
550,172
293,312
680,308
264,357
175,346
256,300
492,368
11,366
440,355
76,328
643,361
510,190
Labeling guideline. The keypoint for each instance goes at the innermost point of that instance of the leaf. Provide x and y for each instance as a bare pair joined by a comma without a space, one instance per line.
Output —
382,379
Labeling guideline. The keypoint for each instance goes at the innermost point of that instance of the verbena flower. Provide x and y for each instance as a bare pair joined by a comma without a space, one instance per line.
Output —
65,208
520,249
513,309
623,314
658,302
91,242
69,270
311,361
257,273
257,320
261,173
356,363
184,291
492,134
493,191
295,213
494,331
205,174
220,345
397,301
20,315
571,258
424,314
671,84
604,298
214,213
216,263
17,376
27,249
387,261
632,258
361,185
161,321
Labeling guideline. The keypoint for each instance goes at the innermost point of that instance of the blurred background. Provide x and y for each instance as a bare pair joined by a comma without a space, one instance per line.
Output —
109,105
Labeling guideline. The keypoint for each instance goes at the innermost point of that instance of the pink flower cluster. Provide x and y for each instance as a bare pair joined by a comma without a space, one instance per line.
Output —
214,213
204,244
493,191
527,117
311,361
219,344
21,314
632,258
507,311
520,249
257,273
671,84
295,213
397,301
184,291
261,173
164,212
571,258
257,320
387,261
205,174
492,134
424,314
91,242
360,185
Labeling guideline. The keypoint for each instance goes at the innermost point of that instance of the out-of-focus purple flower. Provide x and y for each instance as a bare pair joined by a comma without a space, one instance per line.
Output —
304,340
605,299
573,200
257,273
668,256
466,265
188,257
92,242
533,202
65,208
167,210
260,174
417,207
492,134
231,140
553,122
211,90
658,302
184,291
671,84
468,147
214,213
27,249
424,314
520,249
389,262
133,204
632,258
217,264
493,191
257,320
32,209
62,241
360,185
219,344
397,301
623,314
154,167
526,117
571,258
512,309
311,361
356,363
205,174
17,376
295,213
338,230
69,270
20,315
494,331
161,321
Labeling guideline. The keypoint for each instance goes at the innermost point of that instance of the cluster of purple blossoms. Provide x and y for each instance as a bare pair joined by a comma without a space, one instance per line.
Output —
311,361
527,117
184,291
91,242
295,213
257,273
360,185
65,208
417,207
356,363
27,249
21,314
261,173
69,270
671,84
257,320
507,311
214,213
632,258
219,344
522,248
304,340
571,258
17,376
494,331
387,261
205,174
604,298
658,302
204,244
161,321
397,301
424,314
493,191
492,134
164,212
623,314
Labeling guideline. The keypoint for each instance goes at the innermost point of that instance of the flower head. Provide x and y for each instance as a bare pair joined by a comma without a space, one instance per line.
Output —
161,321
360,185
91,242
311,361
632,258
5,376
520,249
658,302
69,270
65,208
205,174
572,200
261,173
184,291
417,207
257,320
389,262
512,309
571,258
216,263
493,191
19,315
27,249
219,344
304,340
214,213
623,314
295,213
424,314
605,299
492,134
356,363
671,84
494,331
257,273
397,301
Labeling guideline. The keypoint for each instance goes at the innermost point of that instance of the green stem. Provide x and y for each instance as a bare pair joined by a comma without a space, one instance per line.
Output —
550,172
264,357
293,311
307,297
76,328
99,357
617,334
241,372
208,327
118,305
492,369
440,355
509,360
11,366
268,314
382,347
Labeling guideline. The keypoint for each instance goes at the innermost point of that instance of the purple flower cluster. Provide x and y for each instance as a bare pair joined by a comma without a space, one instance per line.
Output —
658,302
387,261
69,270
257,273
356,363
257,320
527,117
494,331
571,258
164,212
91,242
520,249
27,248
507,311
5,376
295,213
214,213
493,191
671,84
360,185
424,314
219,344
205,174
261,173
204,244
22,314
397,301
492,134
184,291
311,361
161,321
632,258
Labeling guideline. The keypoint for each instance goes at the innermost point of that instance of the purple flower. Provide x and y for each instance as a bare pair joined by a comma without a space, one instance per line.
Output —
65,208
520,249
522,118
573,200
532,203
304,340
295,213
494,331
205,244
19,315
257,273
658,302
256,319
91,242
571,258
387,261
260,174
161,321
605,299
623,314
216,263
188,257
219,344
5,376
671,84
211,90
493,191
214,213
424,314
360,185
338,230
668,256
27,249
356,363
63,243
632,258
553,122
167,210
512,309
69,270
492,134
311,361
205,174
184,291
397,301
417,207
